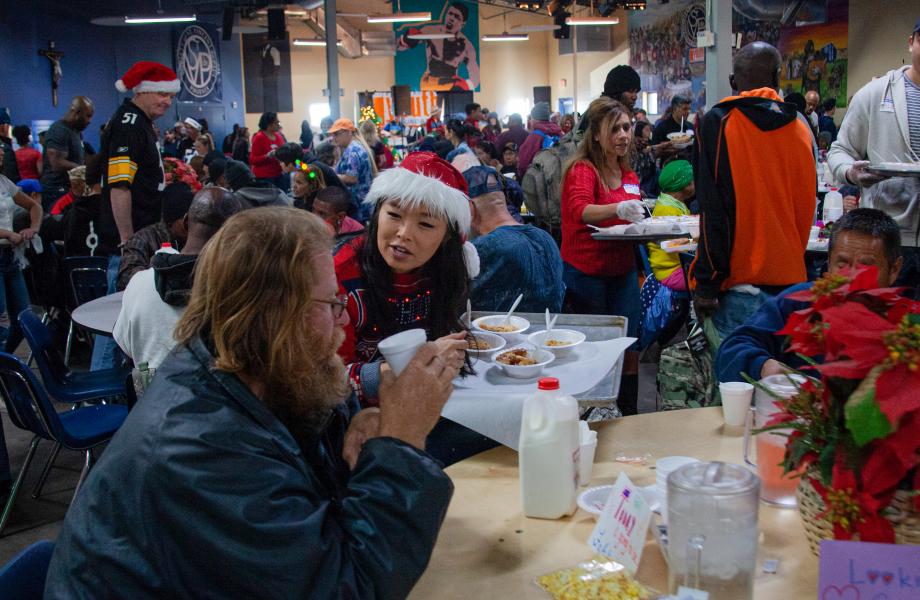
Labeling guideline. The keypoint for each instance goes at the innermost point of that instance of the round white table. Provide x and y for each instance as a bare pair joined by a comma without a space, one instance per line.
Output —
488,549
99,315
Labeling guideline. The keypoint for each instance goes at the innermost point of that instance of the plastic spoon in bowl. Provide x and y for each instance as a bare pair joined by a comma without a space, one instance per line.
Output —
513,306
547,319
469,315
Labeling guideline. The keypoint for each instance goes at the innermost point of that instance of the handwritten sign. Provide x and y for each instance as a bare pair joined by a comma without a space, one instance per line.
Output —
864,571
621,528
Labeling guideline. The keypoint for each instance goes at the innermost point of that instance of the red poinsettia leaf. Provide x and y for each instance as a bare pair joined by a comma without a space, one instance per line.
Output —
848,369
802,296
898,392
875,528
858,331
864,278
891,458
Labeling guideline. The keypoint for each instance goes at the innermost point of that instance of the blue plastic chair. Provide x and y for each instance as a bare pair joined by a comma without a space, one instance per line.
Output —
61,383
23,578
29,408
88,277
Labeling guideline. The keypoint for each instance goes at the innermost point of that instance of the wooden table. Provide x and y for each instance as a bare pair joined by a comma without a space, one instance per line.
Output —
488,549
99,315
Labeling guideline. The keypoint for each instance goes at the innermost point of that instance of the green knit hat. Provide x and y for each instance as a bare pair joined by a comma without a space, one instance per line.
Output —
675,176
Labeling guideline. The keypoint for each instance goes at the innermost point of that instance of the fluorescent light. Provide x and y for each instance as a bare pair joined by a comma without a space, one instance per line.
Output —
533,28
592,21
313,42
160,19
506,37
431,36
399,17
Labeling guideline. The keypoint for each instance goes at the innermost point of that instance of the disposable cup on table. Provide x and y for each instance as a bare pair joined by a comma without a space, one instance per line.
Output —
398,349
586,451
736,401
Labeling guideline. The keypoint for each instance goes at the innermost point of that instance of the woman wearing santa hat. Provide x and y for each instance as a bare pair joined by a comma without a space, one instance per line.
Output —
411,270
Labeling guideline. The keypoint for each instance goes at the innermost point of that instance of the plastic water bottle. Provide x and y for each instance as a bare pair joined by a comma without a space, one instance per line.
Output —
548,452
166,248
833,205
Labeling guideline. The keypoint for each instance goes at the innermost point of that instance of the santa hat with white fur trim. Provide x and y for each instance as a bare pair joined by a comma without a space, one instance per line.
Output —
424,179
149,76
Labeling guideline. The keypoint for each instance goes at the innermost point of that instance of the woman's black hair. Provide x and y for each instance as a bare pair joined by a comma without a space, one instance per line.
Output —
22,133
446,272
458,128
489,148
267,119
640,128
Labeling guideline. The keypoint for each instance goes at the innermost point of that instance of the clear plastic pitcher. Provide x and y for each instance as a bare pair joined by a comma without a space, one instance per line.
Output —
712,529
776,488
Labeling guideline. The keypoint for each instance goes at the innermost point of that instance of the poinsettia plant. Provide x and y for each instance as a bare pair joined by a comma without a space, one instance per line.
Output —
177,171
855,420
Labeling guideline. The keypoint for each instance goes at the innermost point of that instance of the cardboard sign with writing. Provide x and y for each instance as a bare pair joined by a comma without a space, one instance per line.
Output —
621,528
864,571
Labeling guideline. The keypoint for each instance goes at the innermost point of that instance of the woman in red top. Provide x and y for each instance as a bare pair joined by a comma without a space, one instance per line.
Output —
28,159
264,143
599,188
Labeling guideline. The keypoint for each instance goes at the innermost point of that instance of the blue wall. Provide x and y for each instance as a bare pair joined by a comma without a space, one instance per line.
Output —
94,58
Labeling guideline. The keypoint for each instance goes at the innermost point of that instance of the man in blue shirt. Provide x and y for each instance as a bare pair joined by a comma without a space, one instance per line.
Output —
355,168
862,237
514,259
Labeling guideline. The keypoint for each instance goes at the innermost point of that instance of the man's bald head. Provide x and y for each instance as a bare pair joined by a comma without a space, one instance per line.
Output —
755,66
812,99
80,112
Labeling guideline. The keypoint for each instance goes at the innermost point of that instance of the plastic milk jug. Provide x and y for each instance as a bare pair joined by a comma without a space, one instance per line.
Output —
833,206
166,248
548,452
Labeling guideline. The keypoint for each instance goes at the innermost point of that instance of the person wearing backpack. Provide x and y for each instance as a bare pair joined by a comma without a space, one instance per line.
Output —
543,134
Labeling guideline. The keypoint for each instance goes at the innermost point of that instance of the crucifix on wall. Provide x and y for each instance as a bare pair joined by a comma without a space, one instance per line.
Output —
55,57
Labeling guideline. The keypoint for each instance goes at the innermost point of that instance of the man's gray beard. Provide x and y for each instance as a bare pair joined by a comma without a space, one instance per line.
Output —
322,388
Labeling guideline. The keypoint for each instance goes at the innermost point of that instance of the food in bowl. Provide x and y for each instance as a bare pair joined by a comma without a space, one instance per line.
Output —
519,357
680,138
479,344
498,328
558,343
679,242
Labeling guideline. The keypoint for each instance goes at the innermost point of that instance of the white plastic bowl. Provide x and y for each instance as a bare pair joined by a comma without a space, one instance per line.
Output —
496,342
520,326
571,336
678,135
543,358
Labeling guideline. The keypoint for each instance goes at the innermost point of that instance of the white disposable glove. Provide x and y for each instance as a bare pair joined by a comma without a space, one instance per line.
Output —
858,175
631,210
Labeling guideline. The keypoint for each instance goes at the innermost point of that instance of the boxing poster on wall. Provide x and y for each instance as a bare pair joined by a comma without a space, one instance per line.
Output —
441,54
197,60
267,74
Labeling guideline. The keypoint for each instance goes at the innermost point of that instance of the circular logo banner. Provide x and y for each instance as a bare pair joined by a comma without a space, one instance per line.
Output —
198,63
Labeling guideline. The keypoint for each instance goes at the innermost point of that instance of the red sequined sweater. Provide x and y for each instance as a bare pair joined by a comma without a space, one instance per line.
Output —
409,306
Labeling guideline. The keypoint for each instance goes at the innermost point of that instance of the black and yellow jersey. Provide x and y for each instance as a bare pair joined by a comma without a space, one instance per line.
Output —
131,159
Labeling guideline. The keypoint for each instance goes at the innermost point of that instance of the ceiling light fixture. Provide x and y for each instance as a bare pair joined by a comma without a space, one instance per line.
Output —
399,16
504,36
159,17
313,42
596,21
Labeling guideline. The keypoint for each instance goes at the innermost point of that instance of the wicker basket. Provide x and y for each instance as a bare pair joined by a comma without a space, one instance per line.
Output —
900,512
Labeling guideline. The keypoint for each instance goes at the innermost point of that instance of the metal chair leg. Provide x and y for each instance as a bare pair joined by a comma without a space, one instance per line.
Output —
50,463
86,466
22,472
69,342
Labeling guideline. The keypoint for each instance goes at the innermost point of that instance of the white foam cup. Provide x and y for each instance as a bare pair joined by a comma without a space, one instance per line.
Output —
736,401
398,349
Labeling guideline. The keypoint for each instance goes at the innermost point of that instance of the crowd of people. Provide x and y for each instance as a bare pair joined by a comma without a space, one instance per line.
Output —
259,291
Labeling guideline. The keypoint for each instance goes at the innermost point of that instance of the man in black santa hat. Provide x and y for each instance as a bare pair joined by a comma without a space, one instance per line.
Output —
132,178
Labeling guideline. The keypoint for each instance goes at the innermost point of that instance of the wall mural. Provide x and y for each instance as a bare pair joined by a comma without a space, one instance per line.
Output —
426,59
813,42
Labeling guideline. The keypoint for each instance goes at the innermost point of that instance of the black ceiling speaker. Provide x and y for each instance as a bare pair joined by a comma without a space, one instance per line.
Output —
227,33
276,24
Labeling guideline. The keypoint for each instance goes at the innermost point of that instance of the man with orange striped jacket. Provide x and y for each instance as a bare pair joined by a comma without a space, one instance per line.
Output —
755,183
